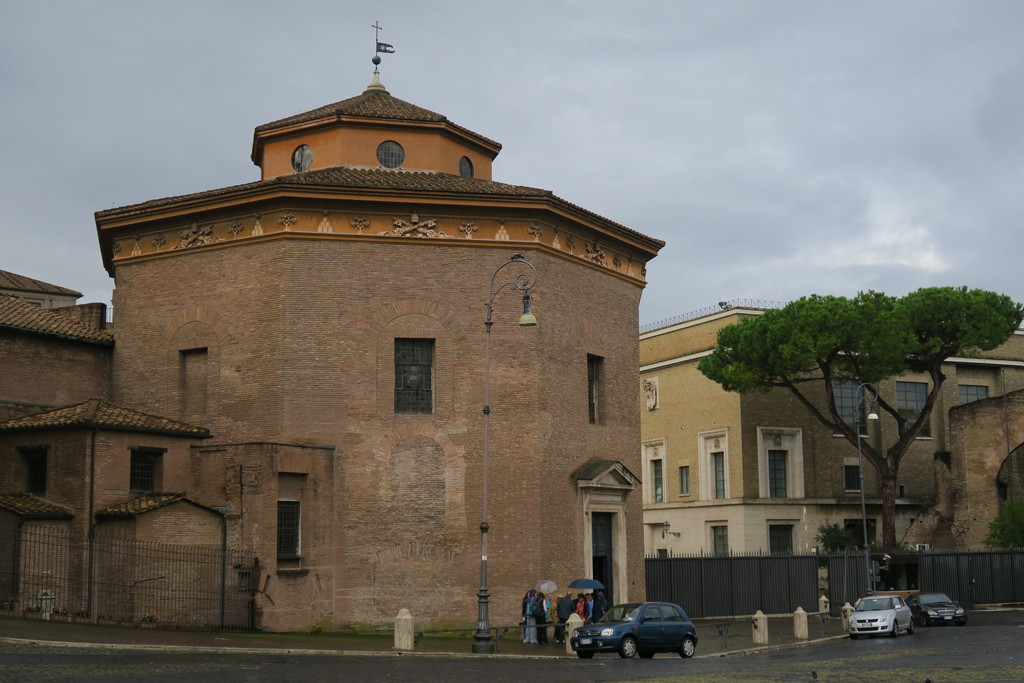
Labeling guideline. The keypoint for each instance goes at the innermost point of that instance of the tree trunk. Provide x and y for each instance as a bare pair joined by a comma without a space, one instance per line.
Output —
888,476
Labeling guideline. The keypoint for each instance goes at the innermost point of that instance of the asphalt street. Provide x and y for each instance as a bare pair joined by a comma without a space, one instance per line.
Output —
988,649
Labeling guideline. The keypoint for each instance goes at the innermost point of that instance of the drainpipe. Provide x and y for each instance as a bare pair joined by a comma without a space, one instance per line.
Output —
223,564
91,519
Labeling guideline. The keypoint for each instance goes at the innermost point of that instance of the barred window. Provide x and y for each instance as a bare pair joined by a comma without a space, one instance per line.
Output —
288,518
780,539
144,471
414,359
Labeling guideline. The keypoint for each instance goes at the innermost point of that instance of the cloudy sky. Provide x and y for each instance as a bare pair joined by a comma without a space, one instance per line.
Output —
780,148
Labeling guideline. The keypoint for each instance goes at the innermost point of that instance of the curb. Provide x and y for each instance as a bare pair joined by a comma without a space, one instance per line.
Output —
356,653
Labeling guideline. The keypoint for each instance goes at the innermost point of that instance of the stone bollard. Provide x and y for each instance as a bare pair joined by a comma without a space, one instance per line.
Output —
824,605
760,628
847,611
571,624
800,624
404,632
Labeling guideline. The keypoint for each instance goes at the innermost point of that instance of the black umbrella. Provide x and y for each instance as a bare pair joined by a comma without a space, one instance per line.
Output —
593,584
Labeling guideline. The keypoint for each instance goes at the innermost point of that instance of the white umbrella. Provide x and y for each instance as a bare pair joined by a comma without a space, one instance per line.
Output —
547,587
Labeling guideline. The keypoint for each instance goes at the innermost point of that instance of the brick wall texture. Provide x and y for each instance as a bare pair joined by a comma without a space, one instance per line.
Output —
299,362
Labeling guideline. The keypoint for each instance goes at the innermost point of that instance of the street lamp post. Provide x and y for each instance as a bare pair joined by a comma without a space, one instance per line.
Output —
522,282
866,392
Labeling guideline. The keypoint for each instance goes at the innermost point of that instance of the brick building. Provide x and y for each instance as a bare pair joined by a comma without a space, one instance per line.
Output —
323,330
732,472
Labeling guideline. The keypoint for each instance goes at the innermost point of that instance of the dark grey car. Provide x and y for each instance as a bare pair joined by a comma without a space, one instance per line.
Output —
936,608
638,628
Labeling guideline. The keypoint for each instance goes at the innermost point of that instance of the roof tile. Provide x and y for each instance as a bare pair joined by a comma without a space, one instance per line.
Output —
140,504
30,507
21,283
375,104
19,315
99,414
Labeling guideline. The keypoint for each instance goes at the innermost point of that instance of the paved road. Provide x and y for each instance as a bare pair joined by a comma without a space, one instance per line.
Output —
989,649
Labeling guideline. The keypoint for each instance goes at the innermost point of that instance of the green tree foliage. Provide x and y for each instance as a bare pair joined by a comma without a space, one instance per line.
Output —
1007,530
807,344
835,538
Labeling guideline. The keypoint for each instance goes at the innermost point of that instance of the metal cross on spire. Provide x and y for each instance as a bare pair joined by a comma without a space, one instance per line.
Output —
385,48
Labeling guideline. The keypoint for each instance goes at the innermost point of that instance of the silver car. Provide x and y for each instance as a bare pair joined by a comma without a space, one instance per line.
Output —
881,615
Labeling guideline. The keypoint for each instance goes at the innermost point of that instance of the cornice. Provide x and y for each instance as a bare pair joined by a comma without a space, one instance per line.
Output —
250,215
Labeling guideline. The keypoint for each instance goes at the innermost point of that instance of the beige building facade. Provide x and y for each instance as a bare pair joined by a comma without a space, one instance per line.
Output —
748,473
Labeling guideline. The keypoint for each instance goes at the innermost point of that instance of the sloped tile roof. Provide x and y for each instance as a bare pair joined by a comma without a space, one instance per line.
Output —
375,104
353,177
30,507
377,179
99,414
140,504
21,283
19,315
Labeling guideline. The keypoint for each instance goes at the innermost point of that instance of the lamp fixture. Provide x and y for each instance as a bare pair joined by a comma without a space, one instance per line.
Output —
665,526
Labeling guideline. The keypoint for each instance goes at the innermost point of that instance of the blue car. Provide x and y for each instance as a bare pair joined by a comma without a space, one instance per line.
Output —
638,628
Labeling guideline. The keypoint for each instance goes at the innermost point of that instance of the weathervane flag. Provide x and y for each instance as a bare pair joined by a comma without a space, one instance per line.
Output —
386,48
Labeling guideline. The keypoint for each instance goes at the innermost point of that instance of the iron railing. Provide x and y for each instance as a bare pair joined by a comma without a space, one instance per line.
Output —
59,574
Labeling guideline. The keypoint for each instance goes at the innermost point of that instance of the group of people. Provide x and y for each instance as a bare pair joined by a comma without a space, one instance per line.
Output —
538,611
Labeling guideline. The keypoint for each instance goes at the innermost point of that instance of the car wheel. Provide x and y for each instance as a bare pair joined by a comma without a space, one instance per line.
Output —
688,647
585,655
854,636
627,649
646,654
895,629
910,628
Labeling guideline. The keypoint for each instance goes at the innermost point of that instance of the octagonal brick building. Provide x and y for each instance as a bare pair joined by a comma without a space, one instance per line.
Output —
325,323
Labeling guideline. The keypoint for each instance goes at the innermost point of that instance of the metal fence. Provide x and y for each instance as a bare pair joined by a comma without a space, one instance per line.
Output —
983,577
58,574
712,586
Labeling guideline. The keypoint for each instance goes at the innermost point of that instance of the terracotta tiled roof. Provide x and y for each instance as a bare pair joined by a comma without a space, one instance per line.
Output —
98,414
26,284
30,507
352,177
377,179
375,104
19,315
140,504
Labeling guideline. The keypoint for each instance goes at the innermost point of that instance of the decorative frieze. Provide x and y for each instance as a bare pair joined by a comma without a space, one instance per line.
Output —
595,253
504,230
197,236
414,228
325,223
